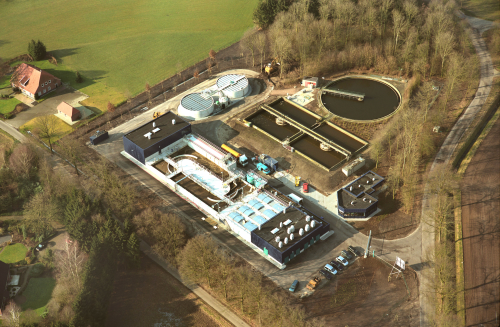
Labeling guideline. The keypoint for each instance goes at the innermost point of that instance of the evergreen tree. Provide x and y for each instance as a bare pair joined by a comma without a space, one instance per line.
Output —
133,250
79,78
37,50
266,11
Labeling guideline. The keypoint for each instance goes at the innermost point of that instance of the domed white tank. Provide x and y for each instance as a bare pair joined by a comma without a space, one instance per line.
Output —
233,86
194,106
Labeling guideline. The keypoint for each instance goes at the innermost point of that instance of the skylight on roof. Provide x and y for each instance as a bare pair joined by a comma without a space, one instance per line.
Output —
274,231
287,222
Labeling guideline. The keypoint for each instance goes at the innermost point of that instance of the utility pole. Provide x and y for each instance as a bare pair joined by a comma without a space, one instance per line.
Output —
368,244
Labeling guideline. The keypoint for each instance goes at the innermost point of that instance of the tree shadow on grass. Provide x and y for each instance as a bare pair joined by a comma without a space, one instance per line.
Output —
4,42
61,53
68,76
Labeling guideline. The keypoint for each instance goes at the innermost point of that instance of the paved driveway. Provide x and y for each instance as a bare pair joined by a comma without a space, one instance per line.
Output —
48,106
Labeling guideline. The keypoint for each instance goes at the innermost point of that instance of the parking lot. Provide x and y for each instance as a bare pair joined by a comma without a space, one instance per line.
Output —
363,291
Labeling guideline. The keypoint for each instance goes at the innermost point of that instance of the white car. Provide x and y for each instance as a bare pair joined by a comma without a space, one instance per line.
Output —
330,268
342,260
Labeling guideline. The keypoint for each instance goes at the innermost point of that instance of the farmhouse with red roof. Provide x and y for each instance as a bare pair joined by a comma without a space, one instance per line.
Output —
68,111
34,82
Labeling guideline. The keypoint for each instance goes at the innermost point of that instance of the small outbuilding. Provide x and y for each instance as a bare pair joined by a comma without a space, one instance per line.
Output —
68,111
310,82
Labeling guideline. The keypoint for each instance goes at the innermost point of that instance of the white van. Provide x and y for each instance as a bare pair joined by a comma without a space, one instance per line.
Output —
330,268
295,198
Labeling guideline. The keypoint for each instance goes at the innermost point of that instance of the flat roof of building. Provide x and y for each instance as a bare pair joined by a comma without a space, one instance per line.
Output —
348,201
293,216
163,127
366,183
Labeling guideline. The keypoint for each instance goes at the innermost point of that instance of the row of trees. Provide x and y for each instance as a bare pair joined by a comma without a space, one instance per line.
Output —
205,262
391,36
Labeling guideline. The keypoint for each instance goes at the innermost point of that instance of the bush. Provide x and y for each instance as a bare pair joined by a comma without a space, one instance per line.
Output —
8,115
79,78
28,260
37,270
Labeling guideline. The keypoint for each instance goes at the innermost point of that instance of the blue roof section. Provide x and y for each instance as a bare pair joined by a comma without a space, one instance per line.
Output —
257,206
245,210
278,207
269,213
264,198
253,202
259,220
236,216
250,227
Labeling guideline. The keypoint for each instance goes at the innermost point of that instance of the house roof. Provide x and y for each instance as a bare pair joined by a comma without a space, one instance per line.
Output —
65,108
31,78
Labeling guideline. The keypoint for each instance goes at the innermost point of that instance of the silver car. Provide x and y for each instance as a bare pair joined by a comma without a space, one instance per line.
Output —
342,260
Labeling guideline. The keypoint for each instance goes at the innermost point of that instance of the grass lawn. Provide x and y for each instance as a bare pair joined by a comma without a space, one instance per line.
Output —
8,105
38,293
125,43
484,9
63,128
4,81
13,253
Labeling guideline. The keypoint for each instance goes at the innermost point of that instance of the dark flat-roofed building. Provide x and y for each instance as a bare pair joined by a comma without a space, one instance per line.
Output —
155,135
288,226
356,200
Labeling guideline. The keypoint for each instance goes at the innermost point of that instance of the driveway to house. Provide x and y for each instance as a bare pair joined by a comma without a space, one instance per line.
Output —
48,106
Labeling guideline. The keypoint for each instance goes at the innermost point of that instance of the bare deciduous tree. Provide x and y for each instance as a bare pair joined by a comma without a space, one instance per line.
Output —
13,314
47,129
70,263
72,150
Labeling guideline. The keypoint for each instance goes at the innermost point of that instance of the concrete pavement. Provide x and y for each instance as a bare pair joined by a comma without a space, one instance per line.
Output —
444,155
12,131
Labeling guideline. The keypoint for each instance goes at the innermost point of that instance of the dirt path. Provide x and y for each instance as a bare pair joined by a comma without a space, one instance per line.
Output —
481,233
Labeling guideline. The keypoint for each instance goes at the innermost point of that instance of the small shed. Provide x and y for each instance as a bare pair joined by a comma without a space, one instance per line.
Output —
310,82
69,111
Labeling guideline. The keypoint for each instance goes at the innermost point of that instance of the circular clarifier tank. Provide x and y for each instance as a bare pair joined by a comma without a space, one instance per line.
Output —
233,86
380,101
194,106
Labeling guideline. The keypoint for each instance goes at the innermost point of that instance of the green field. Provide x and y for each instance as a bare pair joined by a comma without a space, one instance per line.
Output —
38,293
13,253
124,43
484,9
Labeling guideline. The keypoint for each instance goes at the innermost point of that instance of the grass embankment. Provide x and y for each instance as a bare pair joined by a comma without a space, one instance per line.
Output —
38,293
4,82
484,9
125,44
13,253
8,105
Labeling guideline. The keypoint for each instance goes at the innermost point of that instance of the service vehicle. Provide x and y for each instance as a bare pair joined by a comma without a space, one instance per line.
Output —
342,260
263,168
313,283
294,286
242,159
330,269
326,274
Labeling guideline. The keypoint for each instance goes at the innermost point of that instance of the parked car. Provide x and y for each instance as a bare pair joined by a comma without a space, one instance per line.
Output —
294,286
346,254
330,269
326,274
337,265
354,251
41,246
305,187
342,260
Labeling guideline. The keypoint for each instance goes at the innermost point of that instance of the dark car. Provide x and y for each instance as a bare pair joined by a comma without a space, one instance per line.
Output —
41,246
326,274
294,286
337,265
354,251
346,254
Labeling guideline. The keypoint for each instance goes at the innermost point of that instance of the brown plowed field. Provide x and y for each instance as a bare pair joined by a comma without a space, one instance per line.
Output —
149,296
481,231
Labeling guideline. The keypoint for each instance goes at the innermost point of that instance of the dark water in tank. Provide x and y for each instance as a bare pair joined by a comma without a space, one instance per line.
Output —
293,112
345,141
310,147
380,99
267,123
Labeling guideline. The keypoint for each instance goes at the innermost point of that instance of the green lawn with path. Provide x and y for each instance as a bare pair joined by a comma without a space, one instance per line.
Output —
13,253
124,43
38,293
8,105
